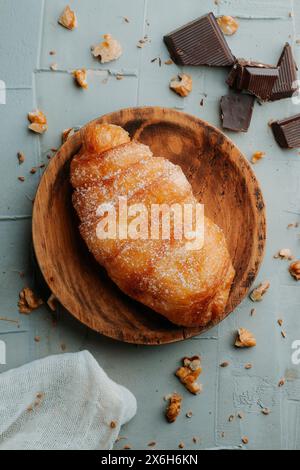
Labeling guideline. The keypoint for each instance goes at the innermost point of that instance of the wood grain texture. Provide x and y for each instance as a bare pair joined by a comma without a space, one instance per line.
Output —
221,179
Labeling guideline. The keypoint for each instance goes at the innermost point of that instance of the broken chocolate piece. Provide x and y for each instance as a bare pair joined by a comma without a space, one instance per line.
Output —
287,132
253,77
200,42
286,85
236,112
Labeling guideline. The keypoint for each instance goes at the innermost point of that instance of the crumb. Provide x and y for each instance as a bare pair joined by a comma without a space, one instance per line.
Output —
228,25
181,445
127,447
63,347
240,416
182,84
126,19
108,50
265,411
295,270
33,170
223,434
202,102
224,364
29,409
189,414
51,302
189,373
38,122
119,76
248,366
68,19
231,418
66,134
257,156
142,42
80,77
28,301
54,67
280,322
21,157
258,293
21,178
253,312
245,440
37,339
284,253
151,444
113,424
174,407
169,62
52,52
281,382
245,339
283,334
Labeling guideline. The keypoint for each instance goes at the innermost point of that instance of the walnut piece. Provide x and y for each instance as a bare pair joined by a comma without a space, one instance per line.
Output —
228,25
174,407
245,339
81,78
189,373
28,301
257,156
182,84
258,293
38,121
295,270
68,18
108,50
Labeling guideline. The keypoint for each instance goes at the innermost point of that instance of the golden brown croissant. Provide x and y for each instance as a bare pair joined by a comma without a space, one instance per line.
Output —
188,286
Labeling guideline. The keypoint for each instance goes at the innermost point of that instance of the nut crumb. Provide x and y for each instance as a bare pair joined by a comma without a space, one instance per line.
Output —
174,407
108,50
283,334
224,364
119,76
280,322
68,19
248,366
228,25
28,301
21,178
80,77
181,445
284,253
54,67
265,411
245,440
33,170
295,270
189,414
113,424
38,122
21,157
189,373
37,339
281,382
245,339
257,156
258,293
182,84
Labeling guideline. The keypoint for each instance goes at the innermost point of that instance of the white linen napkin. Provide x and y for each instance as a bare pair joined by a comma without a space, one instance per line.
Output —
62,402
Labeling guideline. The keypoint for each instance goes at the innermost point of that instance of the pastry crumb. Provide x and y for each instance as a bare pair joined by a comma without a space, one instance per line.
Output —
108,50
174,407
245,339
189,373
68,19
182,84
28,301
228,25
258,293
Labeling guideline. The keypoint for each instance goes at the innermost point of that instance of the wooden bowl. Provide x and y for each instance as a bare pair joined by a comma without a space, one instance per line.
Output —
221,178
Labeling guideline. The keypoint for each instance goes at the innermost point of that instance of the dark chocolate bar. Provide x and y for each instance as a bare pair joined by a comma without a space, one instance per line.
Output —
236,111
286,84
287,132
254,77
200,42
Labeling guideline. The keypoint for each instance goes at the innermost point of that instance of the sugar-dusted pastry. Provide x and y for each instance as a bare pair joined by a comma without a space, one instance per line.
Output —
188,286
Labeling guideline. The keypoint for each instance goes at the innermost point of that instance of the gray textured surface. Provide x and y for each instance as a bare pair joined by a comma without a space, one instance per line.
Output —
28,31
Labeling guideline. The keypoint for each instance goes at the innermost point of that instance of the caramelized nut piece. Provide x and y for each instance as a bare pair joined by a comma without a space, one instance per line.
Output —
257,156
182,85
81,78
258,293
28,301
228,25
68,19
174,407
189,373
99,138
295,270
245,339
108,50
38,121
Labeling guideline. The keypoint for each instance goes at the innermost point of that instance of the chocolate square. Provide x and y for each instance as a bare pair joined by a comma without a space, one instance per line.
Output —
236,111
